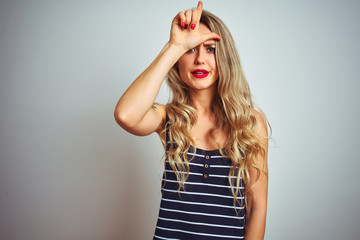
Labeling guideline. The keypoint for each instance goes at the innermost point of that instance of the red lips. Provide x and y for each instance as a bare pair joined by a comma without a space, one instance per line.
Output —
200,73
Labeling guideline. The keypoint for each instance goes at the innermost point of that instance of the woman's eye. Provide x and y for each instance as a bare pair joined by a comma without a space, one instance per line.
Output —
211,50
191,50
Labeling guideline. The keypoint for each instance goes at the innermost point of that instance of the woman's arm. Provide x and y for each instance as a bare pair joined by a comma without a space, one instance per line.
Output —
134,110
257,198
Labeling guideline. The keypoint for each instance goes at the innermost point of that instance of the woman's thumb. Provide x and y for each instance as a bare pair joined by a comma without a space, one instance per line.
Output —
211,35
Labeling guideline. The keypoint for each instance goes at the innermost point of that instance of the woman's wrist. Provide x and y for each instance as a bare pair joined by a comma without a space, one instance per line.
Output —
170,54
176,49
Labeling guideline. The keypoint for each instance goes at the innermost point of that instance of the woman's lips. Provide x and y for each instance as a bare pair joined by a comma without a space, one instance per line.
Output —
200,73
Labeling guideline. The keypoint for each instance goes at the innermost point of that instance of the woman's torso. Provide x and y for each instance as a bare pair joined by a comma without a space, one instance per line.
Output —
205,210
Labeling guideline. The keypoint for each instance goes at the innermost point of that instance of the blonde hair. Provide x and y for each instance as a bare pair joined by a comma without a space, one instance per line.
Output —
232,107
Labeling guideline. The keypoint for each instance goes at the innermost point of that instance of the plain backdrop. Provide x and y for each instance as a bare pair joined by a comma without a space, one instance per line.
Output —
68,172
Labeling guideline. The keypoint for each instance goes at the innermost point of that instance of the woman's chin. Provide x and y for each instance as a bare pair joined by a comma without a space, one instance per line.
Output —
202,86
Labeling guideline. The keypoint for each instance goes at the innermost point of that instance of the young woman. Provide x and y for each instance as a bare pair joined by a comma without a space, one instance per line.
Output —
215,178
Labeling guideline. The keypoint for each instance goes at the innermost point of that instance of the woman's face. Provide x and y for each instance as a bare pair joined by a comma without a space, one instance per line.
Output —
197,67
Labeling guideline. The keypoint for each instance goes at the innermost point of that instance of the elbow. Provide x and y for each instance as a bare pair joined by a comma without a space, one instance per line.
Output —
124,120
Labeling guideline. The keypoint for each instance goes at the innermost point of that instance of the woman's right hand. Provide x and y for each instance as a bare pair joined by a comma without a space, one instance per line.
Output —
135,111
185,29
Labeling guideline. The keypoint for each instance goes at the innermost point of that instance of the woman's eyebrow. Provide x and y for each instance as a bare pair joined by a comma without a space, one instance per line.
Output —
210,43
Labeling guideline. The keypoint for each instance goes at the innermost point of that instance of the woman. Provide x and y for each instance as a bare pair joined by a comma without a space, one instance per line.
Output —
215,177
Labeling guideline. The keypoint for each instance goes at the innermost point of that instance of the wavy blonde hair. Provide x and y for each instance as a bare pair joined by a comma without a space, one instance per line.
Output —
232,107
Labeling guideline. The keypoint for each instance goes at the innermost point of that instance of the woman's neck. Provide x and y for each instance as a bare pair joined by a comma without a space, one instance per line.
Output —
202,100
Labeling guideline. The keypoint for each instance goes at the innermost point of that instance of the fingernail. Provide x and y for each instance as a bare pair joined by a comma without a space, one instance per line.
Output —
185,27
192,26
183,24
217,39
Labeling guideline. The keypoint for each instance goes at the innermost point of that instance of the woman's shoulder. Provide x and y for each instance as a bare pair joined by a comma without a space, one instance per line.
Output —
261,122
161,110
159,107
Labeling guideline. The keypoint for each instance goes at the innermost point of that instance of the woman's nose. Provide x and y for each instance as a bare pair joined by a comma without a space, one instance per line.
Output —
200,57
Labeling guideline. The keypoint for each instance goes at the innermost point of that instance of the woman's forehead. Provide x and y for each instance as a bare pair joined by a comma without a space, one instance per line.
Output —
204,29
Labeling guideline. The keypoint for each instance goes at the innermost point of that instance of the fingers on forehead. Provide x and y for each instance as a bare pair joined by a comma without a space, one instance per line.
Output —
197,13
195,17
182,17
192,16
199,6
188,15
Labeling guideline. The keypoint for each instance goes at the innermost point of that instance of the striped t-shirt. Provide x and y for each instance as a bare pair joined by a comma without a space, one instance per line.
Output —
205,209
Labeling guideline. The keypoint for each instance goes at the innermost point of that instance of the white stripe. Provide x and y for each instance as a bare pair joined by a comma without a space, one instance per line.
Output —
200,174
200,155
192,154
204,194
196,164
201,165
196,233
203,204
195,154
222,157
191,163
204,184
221,166
221,176
191,173
199,223
166,238
200,213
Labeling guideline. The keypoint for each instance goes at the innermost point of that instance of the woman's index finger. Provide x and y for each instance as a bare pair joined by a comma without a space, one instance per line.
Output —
200,7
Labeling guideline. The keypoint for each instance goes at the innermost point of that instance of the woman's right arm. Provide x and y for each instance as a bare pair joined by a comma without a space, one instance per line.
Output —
134,111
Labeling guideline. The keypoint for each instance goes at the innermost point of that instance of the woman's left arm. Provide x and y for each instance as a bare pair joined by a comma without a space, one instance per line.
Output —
257,197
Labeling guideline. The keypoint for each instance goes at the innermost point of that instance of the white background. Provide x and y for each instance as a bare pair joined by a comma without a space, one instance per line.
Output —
67,171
